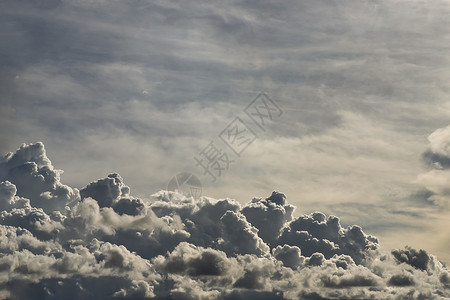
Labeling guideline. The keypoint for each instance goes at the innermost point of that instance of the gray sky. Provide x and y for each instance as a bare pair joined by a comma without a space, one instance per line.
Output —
141,87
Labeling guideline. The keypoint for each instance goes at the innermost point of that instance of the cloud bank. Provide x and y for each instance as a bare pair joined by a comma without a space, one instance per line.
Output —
59,242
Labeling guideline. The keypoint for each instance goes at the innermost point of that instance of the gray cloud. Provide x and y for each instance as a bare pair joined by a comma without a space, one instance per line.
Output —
289,255
108,244
317,233
269,215
35,178
437,157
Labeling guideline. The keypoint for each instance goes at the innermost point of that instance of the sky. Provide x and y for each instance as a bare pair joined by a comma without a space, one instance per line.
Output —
141,88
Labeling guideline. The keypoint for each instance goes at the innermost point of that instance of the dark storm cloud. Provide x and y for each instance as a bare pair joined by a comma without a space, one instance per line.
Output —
436,160
418,259
190,260
105,191
108,244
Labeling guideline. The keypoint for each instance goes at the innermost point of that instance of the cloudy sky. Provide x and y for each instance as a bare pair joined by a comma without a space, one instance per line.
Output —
142,87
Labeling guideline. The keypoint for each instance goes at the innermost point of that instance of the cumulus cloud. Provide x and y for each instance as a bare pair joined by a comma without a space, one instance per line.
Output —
35,178
319,233
269,215
102,242
439,150
437,180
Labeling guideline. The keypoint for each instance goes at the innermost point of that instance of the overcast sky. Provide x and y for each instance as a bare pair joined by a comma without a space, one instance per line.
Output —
141,87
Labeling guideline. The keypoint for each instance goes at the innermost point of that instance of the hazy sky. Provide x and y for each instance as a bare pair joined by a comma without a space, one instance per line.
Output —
141,87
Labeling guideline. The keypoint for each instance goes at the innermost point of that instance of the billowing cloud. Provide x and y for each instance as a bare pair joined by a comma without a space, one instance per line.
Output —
102,242
269,215
436,181
35,178
439,150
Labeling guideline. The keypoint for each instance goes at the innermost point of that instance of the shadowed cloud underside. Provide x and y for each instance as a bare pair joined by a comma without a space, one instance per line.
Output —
101,242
